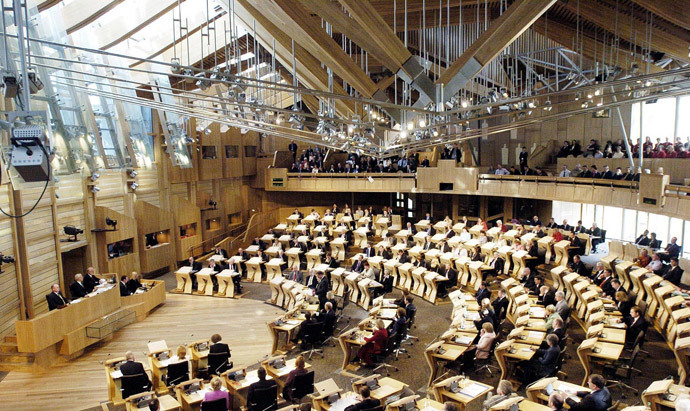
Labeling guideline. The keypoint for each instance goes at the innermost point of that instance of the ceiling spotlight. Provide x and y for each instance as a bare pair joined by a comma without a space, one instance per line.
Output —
434,133
464,104
410,126
504,92
547,105
597,92
133,173
72,231
94,176
207,131
133,185
203,83
403,134
422,123
531,104
175,67
350,128
95,189
279,120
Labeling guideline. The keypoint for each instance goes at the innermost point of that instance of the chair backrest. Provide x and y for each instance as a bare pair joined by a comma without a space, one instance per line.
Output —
603,235
217,362
133,384
631,362
216,405
303,385
614,406
390,343
413,315
312,332
377,408
178,372
265,399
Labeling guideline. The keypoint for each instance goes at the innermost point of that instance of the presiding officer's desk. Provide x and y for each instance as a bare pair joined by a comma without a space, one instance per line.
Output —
142,302
65,328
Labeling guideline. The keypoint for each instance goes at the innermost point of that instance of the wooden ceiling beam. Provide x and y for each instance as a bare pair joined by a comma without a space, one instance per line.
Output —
677,12
502,32
602,16
79,14
565,35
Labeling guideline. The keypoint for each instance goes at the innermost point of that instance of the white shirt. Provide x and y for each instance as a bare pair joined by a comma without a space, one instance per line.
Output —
618,154
501,172
564,173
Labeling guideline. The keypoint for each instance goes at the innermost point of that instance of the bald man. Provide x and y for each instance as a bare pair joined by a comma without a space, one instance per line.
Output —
78,289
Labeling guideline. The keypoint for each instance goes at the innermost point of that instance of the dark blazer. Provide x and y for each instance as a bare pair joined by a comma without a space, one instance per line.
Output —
547,299
674,274
654,244
56,300
124,291
599,400
90,282
579,268
409,309
634,328
196,266
560,333
261,384
498,264
132,368
451,275
322,288
222,252
369,252
482,294
642,240
219,348
624,308
334,263
547,359
364,405
673,250
358,266
134,285
329,321
500,306
77,290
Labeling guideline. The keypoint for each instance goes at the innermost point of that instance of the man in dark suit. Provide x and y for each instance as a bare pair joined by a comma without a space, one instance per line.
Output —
131,367
643,239
366,402
295,275
331,262
635,323
546,296
577,266
604,282
293,149
328,317
500,305
78,289
403,257
595,232
653,242
124,291
527,279
447,271
369,251
410,309
565,226
614,288
674,273
673,249
544,361
221,252
444,247
497,264
90,281
599,399
322,287
358,265
430,231
196,266
55,298
482,293
262,384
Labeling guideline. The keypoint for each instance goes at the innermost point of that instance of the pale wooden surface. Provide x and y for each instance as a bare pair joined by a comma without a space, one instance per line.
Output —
182,319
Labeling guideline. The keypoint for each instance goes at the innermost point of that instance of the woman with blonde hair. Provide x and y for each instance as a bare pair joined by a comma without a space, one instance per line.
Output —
217,392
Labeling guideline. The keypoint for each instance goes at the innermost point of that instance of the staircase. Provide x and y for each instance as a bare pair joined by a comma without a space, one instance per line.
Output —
13,360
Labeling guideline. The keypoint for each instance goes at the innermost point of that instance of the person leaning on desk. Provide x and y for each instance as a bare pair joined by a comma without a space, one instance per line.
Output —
366,402
597,400
55,299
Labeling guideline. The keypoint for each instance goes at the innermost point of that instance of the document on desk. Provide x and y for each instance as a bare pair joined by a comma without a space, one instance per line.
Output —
343,403
428,408
292,322
464,340
116,374
473,390
535,334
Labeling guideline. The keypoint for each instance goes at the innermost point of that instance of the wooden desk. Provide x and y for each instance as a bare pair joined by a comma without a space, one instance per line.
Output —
165,402
418,281
238,389
254,269
338,248
284,326
405,275
66,325
353,338
360,237
226,286
285,296
420,404
592,348
561,249
509,353
470,391
143,302
280,374
274,268
337,282
204,284
656,395
365,286
199,350
293,257
113,375
313,258
546,244
388,387
536,392
431,279
276,285
184,280
440,353
272,252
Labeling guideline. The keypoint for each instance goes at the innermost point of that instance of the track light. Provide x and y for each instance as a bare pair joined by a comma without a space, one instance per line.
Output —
464,104
410,126
94,176
110,222
72,231
133,173
403,134
422,123
95,189
133,186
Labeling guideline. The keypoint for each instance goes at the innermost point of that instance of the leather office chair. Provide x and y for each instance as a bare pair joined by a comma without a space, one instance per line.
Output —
399,338
486,363
622,369
311,338
302,386
266,399
134,384
215,405
380,357
218,363
177,373
410,323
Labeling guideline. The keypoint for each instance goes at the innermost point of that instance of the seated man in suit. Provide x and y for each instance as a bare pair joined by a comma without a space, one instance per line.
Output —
295,275
368,251
673,249
577,266
635,323
365,401
643,239
500,305
483,292
562,305
546,296
263,383
614,288
674,272
410,309
55,298
134,282
447,271
496,264
78,289
559,330
358,265
124,291
131,367
331,262
597,400
221,252
527,279
91,281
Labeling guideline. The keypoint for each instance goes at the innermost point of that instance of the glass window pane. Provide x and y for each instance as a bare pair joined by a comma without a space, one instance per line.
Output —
684,120
675,230
659,224
599,216
563,210
612,222
658,119
587,215
686,237
629,227
642,220
635,123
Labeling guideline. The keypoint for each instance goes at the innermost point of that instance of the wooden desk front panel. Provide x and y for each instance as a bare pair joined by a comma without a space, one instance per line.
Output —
157,257
143,303
47,329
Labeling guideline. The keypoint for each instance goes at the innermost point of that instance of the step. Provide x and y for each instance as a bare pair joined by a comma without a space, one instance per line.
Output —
8,347
16,357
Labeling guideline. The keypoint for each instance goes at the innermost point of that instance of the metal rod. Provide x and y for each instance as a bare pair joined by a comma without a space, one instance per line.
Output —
19,22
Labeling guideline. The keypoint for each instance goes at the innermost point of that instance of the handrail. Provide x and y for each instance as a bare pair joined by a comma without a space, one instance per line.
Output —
554,179
214,240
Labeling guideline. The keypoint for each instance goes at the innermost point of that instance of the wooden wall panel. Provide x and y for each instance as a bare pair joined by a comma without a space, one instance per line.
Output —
9,292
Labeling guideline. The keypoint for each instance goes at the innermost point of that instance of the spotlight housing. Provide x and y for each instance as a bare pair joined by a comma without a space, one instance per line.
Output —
72,231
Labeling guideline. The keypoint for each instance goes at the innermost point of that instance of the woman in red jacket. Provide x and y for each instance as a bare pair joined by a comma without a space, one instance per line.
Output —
374,344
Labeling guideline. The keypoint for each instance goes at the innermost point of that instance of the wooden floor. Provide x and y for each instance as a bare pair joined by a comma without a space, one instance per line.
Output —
182,319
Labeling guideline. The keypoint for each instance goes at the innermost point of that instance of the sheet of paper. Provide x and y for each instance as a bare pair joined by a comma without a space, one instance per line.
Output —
472,390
